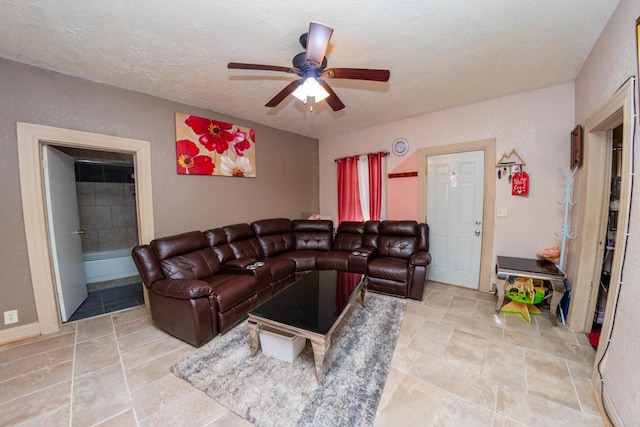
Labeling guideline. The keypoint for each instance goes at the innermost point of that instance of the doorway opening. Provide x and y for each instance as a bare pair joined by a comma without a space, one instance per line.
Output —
610,233
31,138
103,183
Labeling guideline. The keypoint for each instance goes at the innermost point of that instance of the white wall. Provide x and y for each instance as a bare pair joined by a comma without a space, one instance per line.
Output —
611,62
537,124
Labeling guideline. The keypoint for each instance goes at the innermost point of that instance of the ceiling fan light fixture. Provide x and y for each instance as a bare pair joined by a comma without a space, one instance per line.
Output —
310,88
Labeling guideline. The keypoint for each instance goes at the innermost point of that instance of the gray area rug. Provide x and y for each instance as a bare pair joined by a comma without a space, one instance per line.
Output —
270,392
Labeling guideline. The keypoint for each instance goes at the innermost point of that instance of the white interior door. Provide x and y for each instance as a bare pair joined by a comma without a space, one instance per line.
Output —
64,226
455,197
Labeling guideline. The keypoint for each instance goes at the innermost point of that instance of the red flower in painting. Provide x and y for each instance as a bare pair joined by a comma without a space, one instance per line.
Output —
240,142
214,135
188,160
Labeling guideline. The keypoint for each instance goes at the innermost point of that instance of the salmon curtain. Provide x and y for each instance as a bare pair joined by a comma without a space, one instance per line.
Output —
361,187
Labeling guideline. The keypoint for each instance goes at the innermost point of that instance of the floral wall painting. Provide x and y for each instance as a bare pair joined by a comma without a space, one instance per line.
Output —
209,147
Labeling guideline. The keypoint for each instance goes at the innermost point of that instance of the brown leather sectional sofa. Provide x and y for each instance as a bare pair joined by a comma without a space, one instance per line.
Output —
203,283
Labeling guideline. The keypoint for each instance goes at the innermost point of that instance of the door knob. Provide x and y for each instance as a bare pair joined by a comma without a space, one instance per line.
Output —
477,232
80,232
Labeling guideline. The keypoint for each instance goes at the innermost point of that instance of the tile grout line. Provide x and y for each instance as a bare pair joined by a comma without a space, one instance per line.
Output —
573,384
124,374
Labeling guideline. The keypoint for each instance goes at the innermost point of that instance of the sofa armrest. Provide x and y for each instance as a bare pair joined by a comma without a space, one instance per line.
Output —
182,288
239,263
365,251
420,258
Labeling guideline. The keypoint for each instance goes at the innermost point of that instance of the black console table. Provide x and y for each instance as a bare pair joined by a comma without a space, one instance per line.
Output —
535,269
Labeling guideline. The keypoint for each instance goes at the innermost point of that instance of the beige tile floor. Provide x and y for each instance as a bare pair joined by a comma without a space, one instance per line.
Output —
456,364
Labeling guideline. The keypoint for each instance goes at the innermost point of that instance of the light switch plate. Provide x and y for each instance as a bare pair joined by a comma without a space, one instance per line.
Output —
502,211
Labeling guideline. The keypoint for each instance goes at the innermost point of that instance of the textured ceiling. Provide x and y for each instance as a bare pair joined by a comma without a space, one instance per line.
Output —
441,53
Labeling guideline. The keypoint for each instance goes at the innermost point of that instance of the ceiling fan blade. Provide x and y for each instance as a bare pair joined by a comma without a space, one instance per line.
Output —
333,100
242,66
280,96
359,74
317,42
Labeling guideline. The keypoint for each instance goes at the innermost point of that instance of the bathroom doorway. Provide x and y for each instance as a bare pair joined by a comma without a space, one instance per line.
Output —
96,274
31,138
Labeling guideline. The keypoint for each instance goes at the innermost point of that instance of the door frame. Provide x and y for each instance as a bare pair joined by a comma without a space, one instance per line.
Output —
31,137
596,187
488,219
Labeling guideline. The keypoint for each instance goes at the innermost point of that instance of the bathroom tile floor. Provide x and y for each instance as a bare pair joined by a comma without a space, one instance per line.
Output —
456,363
109,300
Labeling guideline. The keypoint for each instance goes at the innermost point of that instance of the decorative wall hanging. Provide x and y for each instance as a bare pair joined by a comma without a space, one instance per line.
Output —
509,164
520,184
209,147
576,147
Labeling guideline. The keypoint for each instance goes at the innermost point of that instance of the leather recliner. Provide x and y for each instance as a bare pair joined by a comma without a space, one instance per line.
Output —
190,297
399,265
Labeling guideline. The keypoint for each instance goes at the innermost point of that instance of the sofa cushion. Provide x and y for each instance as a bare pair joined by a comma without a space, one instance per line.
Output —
348,236
370,235
218,241
193,265
305,260
395,269
186,256
279,267
178,244
333,260
243,241
275,235
313,234
232,289
397,239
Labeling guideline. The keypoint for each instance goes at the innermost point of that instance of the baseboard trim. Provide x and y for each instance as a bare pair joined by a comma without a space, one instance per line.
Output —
19,333
610,417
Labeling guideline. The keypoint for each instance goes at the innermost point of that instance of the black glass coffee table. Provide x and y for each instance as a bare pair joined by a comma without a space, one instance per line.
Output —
311,307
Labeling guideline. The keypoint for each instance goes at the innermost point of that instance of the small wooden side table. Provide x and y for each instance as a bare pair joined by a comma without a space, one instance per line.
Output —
535,269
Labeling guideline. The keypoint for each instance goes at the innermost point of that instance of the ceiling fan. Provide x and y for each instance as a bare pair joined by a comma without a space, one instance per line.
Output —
311,67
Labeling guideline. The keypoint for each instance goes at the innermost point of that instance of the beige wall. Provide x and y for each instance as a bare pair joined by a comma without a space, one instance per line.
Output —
611,62
287,165
537,124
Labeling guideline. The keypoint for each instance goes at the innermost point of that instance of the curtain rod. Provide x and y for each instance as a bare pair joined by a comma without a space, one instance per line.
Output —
385,153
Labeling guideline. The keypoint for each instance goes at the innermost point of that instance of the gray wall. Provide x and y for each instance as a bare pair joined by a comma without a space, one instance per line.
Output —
287,165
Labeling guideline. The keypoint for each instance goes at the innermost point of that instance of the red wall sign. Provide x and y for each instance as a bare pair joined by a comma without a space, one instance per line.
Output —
520,184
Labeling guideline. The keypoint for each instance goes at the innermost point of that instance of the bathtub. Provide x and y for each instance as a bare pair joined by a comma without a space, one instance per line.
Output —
108,265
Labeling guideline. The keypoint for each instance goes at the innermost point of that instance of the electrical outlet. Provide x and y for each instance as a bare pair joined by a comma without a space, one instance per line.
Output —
10,317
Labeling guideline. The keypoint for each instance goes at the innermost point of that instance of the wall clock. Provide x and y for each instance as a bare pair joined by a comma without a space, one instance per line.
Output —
400,147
